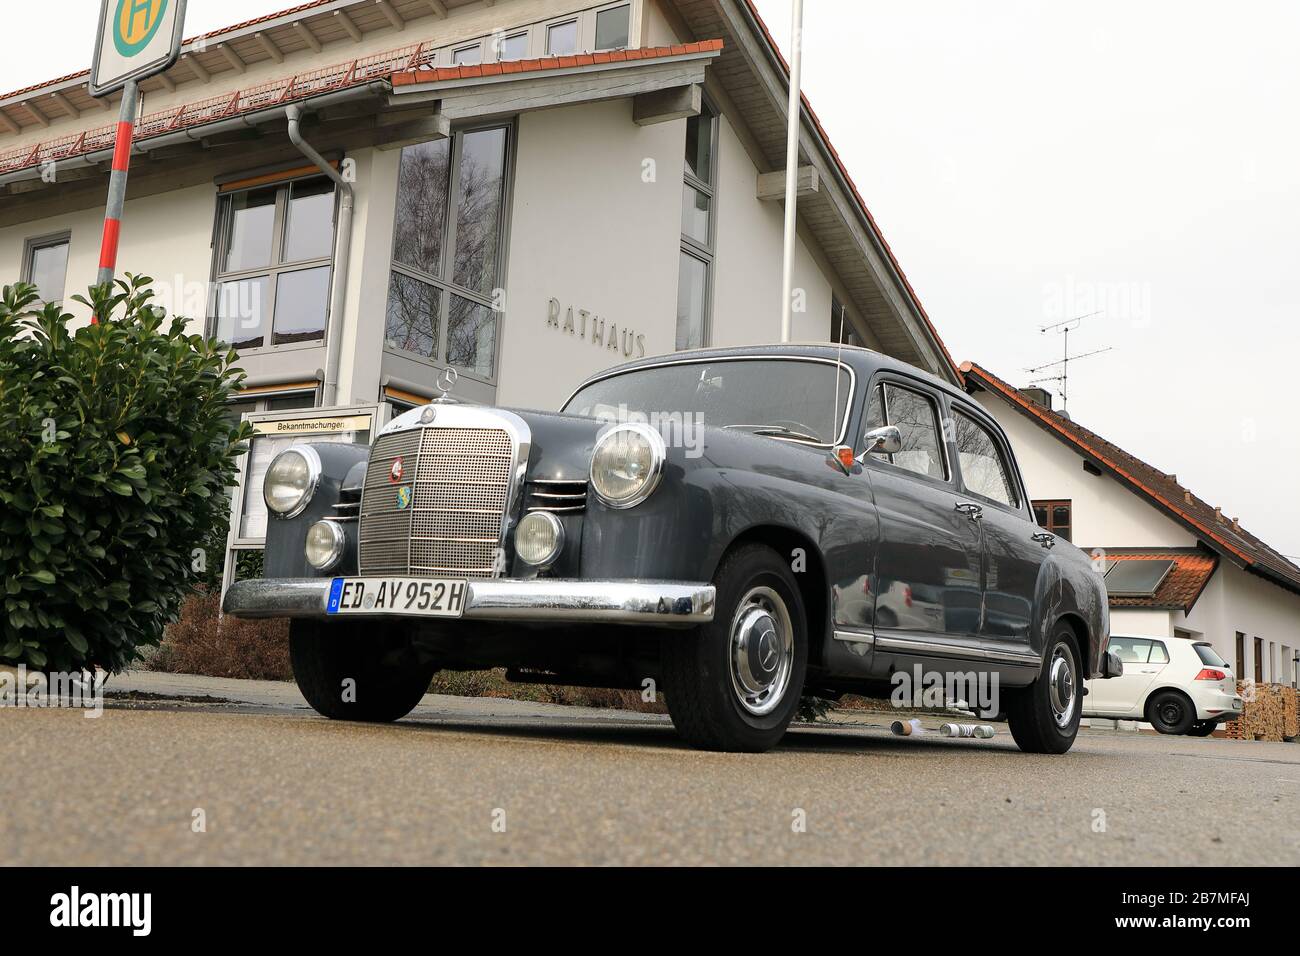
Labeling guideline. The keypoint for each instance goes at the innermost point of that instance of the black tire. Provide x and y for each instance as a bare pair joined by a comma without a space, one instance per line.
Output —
1032,711
388,677
1202,728
704,690
1169,712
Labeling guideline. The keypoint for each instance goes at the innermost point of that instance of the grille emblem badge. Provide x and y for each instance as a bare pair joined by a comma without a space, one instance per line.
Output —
403,497
395,473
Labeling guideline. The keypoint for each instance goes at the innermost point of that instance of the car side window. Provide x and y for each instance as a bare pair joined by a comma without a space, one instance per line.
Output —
1131,650
917,420
1159,653
984,470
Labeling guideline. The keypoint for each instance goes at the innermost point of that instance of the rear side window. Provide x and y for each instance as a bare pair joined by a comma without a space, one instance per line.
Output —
1159,654
917,419
984,470
1206,653
1131,650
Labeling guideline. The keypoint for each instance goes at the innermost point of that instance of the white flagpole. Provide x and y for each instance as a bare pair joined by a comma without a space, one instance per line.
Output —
791,167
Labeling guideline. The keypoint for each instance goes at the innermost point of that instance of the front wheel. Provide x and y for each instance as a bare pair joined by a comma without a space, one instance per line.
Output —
1044,717
353,672
734,683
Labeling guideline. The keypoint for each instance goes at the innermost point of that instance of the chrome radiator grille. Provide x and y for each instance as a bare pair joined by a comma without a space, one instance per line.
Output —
459,482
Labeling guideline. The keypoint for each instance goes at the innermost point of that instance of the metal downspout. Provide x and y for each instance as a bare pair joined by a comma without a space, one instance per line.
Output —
342,254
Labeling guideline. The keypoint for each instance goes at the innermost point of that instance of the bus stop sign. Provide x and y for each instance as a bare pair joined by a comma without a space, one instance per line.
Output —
136,39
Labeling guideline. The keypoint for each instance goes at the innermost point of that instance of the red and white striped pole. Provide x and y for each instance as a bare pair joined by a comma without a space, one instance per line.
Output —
117,186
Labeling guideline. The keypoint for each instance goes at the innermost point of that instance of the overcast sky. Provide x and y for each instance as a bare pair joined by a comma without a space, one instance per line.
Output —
1032,161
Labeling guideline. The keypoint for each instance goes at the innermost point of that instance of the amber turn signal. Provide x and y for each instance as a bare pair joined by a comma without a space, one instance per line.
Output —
845,454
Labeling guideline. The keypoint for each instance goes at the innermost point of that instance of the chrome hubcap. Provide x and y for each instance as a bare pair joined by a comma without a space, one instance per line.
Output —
762,650
1061,686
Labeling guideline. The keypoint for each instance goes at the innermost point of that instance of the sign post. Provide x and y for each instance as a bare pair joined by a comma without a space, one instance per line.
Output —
136,39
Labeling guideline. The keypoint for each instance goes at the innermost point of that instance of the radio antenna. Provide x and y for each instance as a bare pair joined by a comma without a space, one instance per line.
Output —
1063,378
839,351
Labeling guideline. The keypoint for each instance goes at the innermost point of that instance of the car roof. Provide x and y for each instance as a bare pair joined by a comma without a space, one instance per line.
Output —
863,361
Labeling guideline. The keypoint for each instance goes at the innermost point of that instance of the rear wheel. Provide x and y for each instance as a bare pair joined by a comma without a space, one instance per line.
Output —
1044,717
734,683
357,672
1202,728
1170,712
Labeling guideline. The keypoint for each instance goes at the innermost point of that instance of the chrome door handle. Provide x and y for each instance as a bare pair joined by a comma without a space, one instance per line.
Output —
974,512
1045,538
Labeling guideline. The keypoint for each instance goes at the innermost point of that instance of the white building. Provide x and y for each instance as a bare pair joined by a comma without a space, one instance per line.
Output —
1178,567
538,189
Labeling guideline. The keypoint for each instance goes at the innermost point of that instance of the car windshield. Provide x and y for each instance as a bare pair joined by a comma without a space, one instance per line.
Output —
1208,656
784,398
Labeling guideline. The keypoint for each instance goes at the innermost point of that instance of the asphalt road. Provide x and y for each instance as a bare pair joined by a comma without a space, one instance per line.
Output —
277,785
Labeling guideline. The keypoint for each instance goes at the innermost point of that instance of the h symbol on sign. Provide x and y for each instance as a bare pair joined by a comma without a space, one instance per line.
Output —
140,10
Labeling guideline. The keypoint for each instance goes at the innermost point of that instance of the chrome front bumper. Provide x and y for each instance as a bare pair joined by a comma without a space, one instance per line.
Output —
543,600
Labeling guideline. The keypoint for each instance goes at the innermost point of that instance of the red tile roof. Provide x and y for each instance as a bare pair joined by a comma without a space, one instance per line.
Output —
468,72
211,33
1223,535
1186,580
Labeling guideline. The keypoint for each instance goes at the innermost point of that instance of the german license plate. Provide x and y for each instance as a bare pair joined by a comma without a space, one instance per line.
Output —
425,597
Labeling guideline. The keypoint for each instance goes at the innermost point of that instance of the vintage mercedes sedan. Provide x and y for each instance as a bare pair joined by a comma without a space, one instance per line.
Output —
733,527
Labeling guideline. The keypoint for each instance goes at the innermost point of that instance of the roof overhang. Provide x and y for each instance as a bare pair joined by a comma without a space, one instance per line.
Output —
754,75
468,92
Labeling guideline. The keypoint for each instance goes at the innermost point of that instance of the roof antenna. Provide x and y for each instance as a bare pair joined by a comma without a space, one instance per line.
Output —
1064,329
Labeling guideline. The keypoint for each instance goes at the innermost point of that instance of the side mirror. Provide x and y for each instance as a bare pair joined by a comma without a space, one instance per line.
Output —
886,440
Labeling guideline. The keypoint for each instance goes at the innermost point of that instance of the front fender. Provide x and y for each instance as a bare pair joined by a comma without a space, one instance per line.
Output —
286,537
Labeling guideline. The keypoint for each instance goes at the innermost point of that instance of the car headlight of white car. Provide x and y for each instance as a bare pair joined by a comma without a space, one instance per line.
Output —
627,464
291,481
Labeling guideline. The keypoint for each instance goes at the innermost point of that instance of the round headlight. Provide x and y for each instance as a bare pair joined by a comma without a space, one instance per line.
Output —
539,538
627,464
291,480
324,545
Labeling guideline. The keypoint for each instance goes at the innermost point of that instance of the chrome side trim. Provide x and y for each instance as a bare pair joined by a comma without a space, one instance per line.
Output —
544,600
958,649
856,637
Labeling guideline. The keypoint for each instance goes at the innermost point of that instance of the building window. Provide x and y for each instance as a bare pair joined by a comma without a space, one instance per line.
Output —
1054,516
694,280
45,265
612,27
1259,660
562,38
841,325
513,47
468,55
447,249
1241,655
274,252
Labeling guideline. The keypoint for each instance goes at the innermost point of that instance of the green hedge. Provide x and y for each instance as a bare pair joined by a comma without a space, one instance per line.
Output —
115,454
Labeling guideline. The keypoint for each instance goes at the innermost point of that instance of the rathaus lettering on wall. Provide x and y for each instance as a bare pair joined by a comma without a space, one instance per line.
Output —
582,324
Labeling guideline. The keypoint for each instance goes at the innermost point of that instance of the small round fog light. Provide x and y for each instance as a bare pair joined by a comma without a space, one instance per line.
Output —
324,546
539,538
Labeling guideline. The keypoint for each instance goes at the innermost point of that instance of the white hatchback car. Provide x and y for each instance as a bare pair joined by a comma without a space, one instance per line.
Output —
1178,686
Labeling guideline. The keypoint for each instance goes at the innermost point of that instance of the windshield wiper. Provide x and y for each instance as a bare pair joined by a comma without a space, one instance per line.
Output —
779,431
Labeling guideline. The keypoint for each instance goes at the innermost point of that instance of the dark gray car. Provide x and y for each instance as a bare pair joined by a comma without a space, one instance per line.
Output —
734,527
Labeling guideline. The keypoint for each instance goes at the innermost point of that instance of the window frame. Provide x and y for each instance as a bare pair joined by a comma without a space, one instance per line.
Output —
33,245
595,20
936,406
443,284
277,266
1016,506
690,246
1049,504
